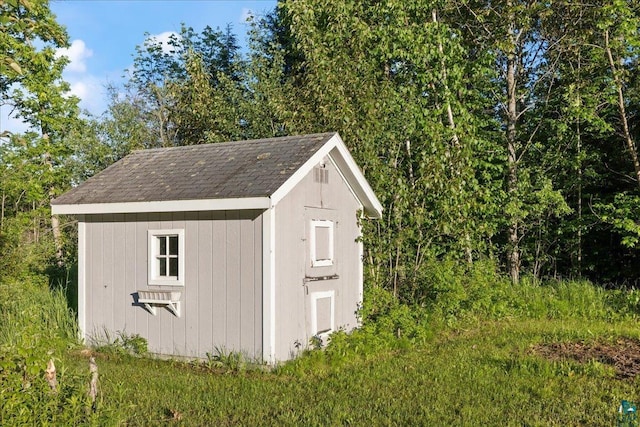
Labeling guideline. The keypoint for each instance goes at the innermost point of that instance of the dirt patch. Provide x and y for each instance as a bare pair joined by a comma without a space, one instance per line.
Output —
623,354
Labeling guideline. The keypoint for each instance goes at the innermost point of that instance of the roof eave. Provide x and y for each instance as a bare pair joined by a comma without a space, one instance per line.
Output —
162,206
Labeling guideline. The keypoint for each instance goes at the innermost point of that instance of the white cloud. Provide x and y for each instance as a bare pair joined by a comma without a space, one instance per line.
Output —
246,15
91,92
163,40
77,54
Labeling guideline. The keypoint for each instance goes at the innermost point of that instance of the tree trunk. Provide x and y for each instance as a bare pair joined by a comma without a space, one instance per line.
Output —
630,143
55,221
57,239
513,255
452,125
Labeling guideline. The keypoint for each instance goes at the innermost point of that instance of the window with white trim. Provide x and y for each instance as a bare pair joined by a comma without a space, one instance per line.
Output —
166,257
322,313
321,243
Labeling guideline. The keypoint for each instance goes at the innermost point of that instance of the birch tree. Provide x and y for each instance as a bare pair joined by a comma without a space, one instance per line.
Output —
391,77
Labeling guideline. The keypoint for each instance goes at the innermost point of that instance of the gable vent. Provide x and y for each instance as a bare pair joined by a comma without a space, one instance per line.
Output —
321,175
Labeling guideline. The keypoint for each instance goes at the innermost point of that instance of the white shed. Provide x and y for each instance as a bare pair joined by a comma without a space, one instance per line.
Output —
249,246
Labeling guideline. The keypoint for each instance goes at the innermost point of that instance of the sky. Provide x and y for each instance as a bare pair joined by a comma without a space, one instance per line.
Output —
104,34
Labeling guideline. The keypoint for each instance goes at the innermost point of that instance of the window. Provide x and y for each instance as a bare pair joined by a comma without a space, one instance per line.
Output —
322,312
166,257
321,243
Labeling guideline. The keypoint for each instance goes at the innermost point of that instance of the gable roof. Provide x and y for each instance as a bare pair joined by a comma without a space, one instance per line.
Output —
253,174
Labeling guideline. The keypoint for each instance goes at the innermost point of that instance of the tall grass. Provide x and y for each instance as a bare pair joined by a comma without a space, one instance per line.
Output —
36,325
29,307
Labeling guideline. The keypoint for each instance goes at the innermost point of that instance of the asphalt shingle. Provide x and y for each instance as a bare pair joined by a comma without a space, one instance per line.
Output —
238,169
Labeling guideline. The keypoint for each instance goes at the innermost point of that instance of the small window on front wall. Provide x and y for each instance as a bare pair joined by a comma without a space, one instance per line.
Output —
321,243
323,313
166,257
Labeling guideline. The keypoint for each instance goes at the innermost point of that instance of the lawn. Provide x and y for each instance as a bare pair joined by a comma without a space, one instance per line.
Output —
487,373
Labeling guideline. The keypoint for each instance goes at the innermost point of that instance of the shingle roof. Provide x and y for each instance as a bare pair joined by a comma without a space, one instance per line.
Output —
238,169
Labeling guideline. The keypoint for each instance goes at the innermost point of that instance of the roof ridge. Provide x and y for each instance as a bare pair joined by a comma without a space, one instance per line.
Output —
238,142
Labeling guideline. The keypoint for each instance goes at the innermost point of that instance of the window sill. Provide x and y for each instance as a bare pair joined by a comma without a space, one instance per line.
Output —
166,282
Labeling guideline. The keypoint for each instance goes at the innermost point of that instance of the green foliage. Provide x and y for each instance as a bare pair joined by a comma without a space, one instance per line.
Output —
623,214
405,111
386,323
32,315
452,293
119,343
28,400
37,326
229,361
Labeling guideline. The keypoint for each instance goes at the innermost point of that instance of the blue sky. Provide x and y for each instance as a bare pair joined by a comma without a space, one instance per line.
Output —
104,34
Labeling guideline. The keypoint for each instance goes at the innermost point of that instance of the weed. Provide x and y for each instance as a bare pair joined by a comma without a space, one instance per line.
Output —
119,343
230,361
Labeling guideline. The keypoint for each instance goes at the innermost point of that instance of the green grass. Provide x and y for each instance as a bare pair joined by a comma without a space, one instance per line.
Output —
464,357
484,375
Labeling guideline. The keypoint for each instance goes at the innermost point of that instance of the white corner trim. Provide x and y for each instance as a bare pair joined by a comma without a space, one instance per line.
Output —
163,206
269,286
82,278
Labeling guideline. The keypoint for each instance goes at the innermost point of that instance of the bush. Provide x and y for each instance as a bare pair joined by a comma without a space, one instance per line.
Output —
451,291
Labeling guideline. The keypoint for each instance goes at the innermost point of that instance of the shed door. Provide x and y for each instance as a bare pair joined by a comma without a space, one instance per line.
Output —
322,261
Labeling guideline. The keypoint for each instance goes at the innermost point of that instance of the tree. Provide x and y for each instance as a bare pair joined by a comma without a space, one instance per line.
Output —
32,86
392,77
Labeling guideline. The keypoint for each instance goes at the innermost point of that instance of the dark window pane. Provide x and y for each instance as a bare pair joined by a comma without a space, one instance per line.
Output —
163,245
173,267
163,266
173,245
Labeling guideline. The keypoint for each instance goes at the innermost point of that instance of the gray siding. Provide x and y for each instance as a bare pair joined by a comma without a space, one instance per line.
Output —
222,296
314,200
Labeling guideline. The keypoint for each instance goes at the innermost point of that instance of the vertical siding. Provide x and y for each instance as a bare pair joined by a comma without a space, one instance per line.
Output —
142,317
257,286
247,276
95,314
290,298
129,271
118,288
221,299
203,292
107,273
233,276
219,278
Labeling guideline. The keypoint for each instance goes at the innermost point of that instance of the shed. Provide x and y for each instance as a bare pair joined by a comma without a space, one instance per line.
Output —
247,246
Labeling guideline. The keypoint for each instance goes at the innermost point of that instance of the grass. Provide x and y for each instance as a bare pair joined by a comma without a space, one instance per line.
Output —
483,375
464,358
